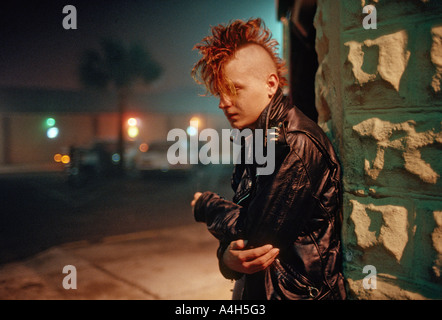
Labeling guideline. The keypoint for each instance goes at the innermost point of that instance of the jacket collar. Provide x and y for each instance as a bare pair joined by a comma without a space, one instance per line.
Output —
275,111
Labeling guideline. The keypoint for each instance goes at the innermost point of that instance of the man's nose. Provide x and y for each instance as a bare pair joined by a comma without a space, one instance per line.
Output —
224,102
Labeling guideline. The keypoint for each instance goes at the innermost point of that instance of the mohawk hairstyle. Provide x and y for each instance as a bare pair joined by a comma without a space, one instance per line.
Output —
222,45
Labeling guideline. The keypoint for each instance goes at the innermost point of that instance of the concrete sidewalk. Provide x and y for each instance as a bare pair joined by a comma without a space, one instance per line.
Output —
170,264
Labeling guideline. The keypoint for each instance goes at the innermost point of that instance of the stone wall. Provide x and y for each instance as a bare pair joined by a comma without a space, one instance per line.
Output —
379,97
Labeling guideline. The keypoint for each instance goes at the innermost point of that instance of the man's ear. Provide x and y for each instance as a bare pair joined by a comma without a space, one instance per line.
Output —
272,84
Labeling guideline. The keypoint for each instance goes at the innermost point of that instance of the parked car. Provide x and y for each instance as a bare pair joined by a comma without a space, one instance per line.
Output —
99,159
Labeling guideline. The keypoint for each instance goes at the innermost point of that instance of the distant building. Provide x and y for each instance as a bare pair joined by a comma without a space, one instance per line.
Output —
81,117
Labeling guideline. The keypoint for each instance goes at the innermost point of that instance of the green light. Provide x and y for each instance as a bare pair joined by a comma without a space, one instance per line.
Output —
50,122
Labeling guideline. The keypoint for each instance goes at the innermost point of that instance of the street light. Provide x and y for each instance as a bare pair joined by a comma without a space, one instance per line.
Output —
132,122
133,129
192,129
50,122
52,133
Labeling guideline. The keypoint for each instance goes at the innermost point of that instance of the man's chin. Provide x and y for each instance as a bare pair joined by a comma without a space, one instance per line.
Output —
234,125
238,125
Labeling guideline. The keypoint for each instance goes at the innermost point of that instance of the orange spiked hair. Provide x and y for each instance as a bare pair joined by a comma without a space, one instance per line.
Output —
222,45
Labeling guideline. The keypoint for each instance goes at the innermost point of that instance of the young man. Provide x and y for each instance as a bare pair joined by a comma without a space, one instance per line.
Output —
280,236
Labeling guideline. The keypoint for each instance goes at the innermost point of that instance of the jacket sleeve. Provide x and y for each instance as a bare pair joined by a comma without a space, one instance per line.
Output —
223,219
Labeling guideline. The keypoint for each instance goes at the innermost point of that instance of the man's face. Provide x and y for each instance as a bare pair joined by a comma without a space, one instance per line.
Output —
252,91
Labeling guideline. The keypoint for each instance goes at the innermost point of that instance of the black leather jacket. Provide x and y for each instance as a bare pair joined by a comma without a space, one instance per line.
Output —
297,209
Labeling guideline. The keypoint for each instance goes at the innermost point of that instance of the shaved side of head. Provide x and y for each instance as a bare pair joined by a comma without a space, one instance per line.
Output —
256,59
253,60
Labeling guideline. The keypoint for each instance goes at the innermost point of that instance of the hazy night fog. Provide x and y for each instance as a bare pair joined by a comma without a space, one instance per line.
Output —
36,51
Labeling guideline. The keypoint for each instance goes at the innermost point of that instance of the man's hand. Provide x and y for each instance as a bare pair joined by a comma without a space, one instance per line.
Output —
250,260
195,198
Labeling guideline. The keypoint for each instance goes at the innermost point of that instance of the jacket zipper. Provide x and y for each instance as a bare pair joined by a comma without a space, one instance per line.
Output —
245,197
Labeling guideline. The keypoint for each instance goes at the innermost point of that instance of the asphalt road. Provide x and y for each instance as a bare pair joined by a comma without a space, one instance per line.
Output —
42,210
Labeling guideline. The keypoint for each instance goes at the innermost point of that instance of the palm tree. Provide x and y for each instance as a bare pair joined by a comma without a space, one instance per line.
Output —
118,67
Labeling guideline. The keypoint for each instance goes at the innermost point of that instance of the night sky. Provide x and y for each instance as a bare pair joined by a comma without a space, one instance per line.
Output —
36,51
